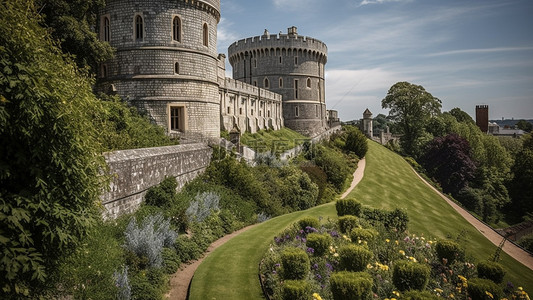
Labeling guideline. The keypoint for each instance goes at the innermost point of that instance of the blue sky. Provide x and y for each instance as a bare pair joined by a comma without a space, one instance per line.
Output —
462,52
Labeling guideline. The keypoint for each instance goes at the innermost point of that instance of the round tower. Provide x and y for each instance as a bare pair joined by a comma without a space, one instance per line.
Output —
367,123
165,62
290,65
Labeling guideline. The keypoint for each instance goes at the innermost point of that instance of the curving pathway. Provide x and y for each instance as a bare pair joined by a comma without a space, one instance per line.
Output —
180,281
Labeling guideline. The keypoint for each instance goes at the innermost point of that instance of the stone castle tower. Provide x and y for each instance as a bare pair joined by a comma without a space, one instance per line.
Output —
482,117
290,65
367,127
166,61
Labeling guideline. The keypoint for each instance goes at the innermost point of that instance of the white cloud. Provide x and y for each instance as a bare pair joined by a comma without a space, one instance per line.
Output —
290,5
367,2
481,50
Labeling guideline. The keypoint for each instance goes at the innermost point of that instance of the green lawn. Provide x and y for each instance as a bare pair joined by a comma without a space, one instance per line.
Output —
231,272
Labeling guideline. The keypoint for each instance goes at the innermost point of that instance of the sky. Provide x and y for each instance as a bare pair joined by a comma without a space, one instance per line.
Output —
464,52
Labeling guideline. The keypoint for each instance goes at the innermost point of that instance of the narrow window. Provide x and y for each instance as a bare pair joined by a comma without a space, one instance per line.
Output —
176,68
107,30
252,112
255,83
281,82
267,83
229,110
308,83
268,113
255,63
176,29
177,118
280,61
240,111
296,111
104,71
316,111
206,35
296,89
295,60
139,27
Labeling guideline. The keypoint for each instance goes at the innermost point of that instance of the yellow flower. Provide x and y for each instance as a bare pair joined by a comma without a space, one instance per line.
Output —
369,266
316,296
412,259
396,293
402,252
489,294
387,240
397,243
451,296
438,291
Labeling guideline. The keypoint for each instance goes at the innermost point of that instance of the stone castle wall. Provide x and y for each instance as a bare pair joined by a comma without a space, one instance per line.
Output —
133,172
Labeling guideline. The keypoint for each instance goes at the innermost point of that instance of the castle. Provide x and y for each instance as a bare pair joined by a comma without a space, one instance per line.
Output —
167,65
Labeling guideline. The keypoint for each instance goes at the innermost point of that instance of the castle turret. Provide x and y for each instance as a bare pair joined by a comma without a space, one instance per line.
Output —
290,65
367,123
166,61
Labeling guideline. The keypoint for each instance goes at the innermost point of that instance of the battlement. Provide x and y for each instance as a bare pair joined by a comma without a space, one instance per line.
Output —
245,88
483,106
289,40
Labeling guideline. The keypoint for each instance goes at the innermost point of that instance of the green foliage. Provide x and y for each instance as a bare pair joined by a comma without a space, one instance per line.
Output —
524,125
275,141
187,248
305,222
296,290
478,288
461,116
163,194
363,234
527,242
295,263
319,242
448,251
522,182
395,220
418,295
356,141
351,285
408,275
354,258
171,260
333,163
490,270
148,284
326,191
411,107
347,223
49,179
348,206
72,23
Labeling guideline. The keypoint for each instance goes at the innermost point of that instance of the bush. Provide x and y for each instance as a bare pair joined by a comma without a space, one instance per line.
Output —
171,260
527,242
356,141
363,234
146,285
319,242
203,206
187,249
397,220
162,195
354,258
334,165
149,239
407,275
295,263
347,223
296,290
309,222
448,251
351,285
348,206
418,295
490,270
478,288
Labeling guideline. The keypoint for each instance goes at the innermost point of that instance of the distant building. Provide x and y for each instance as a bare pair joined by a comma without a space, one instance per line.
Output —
482,117
332,118
495,129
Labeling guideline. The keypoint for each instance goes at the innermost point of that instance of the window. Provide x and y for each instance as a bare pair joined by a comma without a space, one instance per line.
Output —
176,29
295,60
255,63
316,110
255,83
268,113
296,111
240,111
177,118
206,35
229,110
308,83
280,60
107,30
252,112
139,28
295,88
104,71
267,83
281,82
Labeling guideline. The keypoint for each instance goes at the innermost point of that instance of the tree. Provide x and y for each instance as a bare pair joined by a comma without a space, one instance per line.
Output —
524,125
72,23
521,185
411,107
50,162
461,116
356,141
448,160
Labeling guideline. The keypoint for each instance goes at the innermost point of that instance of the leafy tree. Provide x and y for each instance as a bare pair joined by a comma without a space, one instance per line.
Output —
461,116
49,175
356,141
380,122
411,107
448,160
521,185
524,125
72,23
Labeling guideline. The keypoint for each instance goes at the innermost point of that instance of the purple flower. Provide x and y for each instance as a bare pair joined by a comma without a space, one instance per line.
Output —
277,265
329,266
318,276
334,234
274,272
304,240
310,250
315,266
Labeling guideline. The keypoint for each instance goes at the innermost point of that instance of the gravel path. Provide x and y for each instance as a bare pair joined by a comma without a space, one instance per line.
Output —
179,282
514,251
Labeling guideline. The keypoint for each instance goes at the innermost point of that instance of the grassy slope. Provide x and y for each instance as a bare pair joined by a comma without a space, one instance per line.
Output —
390,183
230,272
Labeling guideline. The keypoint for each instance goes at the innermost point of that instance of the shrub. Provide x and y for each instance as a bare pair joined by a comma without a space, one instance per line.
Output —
187,249
356,141
347,223
407,275
478,288
162,195
397,220
527,242
308,222
418,295
171,260
363,234
333,163
348,206
295,263
296,290
354,258
490,270
147,285
319,242
351,285
203,206
122,283
448,251
149,239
